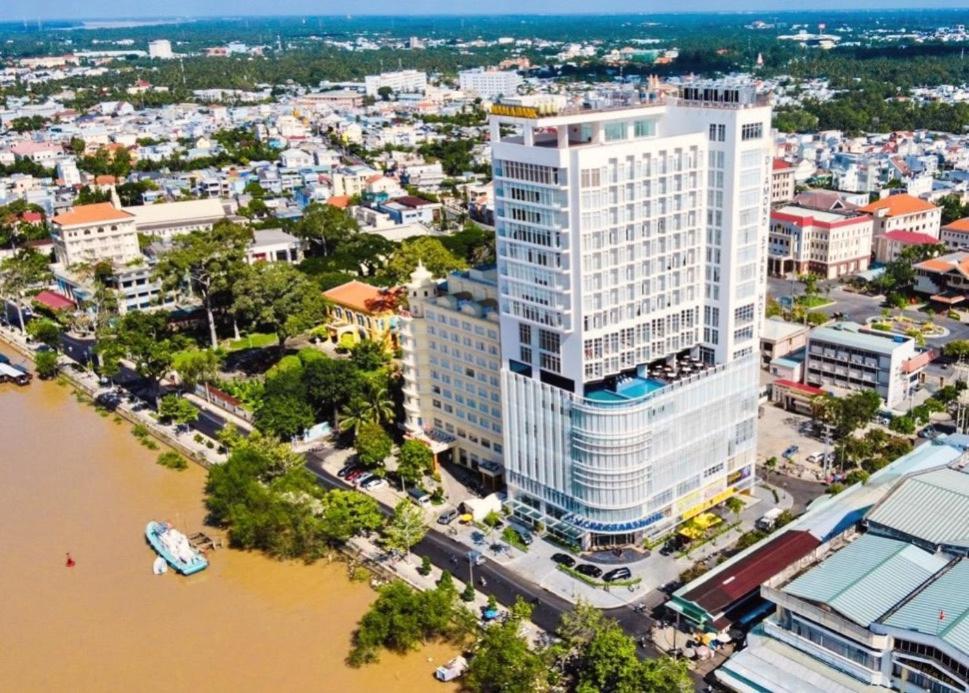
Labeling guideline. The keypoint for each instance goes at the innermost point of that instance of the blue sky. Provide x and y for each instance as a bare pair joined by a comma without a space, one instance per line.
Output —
72,9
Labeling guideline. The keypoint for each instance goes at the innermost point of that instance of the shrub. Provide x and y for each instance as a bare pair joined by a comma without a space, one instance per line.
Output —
139,430
468,594
172,460
425,568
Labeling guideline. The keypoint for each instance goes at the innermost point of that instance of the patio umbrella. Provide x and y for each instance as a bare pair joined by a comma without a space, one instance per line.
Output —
709,638
724,637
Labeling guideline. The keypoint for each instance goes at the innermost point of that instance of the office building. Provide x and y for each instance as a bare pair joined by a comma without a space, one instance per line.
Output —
400,82
489,84
851,357
450,352
631,234
828,244
160,49
95,232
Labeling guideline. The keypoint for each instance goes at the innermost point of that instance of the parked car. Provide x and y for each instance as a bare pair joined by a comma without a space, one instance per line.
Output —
815,457
346,469
363,478
589,569
448,516
622,573
373,482
670,587
524,535
790,451
928,432
563,559
672,545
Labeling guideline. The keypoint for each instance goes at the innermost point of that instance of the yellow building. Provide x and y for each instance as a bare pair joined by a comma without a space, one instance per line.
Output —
359,311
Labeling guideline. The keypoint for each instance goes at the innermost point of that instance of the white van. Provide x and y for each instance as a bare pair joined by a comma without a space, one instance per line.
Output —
768,520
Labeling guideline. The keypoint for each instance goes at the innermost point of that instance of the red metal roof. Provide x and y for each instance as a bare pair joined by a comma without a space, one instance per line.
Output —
729,586
910,237
54,300
793,385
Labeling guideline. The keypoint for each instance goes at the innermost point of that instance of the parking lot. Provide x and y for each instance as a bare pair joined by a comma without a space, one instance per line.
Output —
778,430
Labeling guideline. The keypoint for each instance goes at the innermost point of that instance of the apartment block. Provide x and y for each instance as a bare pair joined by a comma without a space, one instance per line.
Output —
489,84
852,357
402,81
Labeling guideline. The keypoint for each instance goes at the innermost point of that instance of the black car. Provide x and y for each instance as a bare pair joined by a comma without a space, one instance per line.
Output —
563,559
589,569
617,574
346,469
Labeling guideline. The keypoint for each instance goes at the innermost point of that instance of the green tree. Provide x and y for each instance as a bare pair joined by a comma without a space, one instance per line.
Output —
284,415
503,662
195,366
177,410
348,513
206,262
368,355
145,339
385,93
325,226
957,349
373,444
415,460
406,527
902,424
45,363
46,331
330,384
279,297
21,275
425,249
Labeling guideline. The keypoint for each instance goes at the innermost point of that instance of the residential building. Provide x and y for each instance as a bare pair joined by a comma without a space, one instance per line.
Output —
96,232
400,82
409,209
362,312
630,306
274,245
778,338
828,244
852,357
489,84
944,279
450,357
904,213
68,172
167,220
781,182
160,49
956,234
888,246
338,98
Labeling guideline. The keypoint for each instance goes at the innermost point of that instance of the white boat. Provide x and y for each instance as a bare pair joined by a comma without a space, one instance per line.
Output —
452,670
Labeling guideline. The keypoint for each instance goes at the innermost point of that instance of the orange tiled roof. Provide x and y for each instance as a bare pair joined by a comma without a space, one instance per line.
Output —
91,214
341,201
898,205
935,265
363,297
958,225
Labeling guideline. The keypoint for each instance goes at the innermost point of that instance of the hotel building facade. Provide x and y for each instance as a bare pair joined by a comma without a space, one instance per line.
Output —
631,238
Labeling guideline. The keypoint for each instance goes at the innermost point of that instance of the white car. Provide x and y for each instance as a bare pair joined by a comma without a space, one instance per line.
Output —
373,482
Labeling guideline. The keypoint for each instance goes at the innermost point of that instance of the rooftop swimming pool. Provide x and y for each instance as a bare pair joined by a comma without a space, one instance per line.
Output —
628,390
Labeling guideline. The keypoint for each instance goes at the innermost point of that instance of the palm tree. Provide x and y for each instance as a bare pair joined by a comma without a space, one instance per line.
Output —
380,406
356,413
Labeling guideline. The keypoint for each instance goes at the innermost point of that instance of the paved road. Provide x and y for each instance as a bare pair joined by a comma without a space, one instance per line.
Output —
501,582
859,307
802,490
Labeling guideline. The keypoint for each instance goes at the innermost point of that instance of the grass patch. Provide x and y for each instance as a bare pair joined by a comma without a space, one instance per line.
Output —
813,301
511,536
172,460
117,419
256,340
595,582
140,431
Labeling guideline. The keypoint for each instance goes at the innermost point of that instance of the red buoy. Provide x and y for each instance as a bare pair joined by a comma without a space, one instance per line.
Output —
70,561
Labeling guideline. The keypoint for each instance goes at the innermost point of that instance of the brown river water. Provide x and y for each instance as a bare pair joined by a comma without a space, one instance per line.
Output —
71,480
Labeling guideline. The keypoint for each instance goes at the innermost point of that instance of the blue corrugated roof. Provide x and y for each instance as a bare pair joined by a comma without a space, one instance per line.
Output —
940,609
864,580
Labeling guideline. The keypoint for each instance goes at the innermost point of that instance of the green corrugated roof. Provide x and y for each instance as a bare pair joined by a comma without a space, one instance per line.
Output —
947,595
848,334
867,578
933,506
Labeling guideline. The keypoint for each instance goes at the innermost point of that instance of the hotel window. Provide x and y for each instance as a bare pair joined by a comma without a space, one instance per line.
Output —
615,131
643,128
524,333
752,131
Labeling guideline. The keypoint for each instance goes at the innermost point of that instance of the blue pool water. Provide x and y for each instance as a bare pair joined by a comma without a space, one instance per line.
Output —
628,391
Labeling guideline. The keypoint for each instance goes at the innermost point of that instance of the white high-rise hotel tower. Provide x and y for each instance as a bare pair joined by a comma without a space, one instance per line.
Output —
632,239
